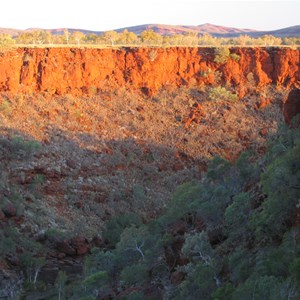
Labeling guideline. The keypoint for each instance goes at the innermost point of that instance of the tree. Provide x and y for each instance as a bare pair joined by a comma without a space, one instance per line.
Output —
149,37
207,40
174,39
24,38
240,263
134,274
197,247
90,38
133,240
66,36
281,184
41,37
244,40
199,283
111,36
127,38
116,225
32,266
259,287
95,282
60,284
6,39
237,216
77,36
190,39
269,40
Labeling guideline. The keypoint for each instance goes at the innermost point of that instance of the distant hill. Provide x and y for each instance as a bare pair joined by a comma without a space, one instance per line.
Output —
286,32
15,32
181,29
10,31
215,30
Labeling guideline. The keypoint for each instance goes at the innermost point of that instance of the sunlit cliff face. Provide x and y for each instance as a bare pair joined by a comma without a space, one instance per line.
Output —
59,71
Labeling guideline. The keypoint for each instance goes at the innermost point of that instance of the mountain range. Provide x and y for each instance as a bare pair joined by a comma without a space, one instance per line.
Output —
214,30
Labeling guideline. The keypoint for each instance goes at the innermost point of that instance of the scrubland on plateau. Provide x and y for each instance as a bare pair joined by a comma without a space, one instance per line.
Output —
150,173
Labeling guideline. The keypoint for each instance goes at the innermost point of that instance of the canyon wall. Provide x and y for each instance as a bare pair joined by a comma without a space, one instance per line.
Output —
80,71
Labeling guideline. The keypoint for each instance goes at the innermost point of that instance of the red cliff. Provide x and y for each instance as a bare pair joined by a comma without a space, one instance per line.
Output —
79,71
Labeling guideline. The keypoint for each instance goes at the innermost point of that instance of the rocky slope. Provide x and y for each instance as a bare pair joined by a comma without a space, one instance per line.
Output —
87,134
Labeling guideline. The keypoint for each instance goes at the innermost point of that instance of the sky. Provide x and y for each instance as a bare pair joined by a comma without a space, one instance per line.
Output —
101,15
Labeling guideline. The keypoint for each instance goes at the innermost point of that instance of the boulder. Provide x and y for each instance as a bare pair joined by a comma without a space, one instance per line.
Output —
80,244
291,106
75,246
65,247
2,215
9,210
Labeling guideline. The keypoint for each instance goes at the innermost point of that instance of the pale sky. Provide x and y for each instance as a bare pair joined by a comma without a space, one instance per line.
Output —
114,14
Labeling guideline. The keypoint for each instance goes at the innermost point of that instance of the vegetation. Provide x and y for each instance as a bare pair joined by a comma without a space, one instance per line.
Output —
221,55
146,38
231,232
234,246
221,93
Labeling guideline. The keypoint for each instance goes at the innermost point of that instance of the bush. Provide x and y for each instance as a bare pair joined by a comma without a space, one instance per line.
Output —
17,147
116,225
137,295
221,93
134,274
221,55
281,178
235,57
5,107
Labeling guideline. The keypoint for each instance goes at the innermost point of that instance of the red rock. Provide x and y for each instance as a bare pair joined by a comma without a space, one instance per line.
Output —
65,247
132,68
74,246
9,210
97,242
2,215
79,204
197,112
264,131
61,255
291,106
263,102
80,245
177,277
162,167
179,227
178,166
71,163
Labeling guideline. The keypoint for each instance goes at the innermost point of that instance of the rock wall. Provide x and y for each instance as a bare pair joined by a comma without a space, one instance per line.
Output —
291,106
80,71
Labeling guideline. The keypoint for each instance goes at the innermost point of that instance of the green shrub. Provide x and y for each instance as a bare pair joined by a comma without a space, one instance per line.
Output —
259,287
235,57
17,147
96,279
5,107
224,292
116,225
221,94
134,274
55,234
221,55
137,295
280,183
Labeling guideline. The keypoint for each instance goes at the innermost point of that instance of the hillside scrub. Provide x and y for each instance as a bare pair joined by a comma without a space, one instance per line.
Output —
229,247
154,191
